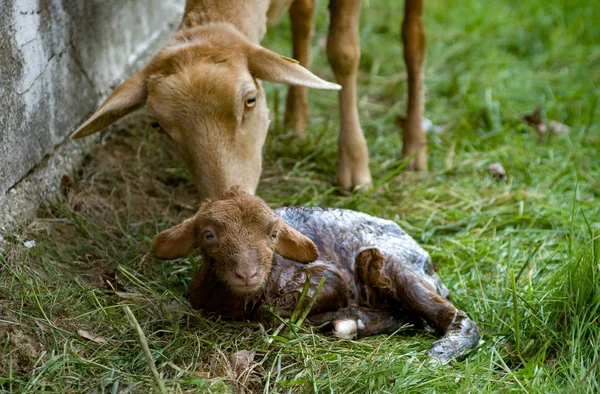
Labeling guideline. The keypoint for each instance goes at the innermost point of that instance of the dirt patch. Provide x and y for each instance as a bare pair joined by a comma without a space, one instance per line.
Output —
111,206
134,176
20,350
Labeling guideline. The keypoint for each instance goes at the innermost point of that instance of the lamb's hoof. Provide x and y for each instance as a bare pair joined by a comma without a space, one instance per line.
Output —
347,328
443,351
455,343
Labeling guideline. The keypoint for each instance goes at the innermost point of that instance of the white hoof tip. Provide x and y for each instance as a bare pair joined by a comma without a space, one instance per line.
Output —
345,329
361,325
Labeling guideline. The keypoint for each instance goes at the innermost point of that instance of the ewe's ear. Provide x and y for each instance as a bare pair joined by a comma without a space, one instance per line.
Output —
126,98
292,245
269,66
177,241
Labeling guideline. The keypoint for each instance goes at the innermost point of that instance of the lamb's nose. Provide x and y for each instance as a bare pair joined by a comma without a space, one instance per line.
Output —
246,275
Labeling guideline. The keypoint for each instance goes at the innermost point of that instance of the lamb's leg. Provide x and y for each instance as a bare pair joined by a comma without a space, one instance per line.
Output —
296,110
343,52
401,283
359,321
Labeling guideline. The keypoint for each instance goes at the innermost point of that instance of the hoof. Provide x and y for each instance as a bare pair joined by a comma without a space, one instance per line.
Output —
443,351
456,342
347,328
359,190
418,160
353,168
355,186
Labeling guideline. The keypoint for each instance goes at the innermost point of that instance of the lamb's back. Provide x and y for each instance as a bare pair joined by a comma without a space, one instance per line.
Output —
341,234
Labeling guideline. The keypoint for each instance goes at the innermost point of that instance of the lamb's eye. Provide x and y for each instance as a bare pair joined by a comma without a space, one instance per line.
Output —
155,125
274,235
208,235
250,102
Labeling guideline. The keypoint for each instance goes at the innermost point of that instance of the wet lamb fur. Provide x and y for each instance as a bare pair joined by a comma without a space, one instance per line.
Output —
377,277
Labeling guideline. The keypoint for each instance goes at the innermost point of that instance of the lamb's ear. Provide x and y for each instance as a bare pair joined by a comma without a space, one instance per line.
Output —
293,245
177,241
270,66
126,98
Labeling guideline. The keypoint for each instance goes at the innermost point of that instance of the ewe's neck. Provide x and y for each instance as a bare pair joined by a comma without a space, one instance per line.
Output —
248,16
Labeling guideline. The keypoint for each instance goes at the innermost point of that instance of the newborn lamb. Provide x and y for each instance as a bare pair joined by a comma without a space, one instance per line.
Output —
377,278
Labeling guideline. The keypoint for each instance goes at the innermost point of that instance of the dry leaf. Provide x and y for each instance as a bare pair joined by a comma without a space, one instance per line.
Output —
535,120
131,296
111,281
66,185
558,128
90,337
73,194
535,117
497,171
241,361
202,374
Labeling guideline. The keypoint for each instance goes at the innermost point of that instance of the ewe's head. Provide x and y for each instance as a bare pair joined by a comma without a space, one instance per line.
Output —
203,90
237,235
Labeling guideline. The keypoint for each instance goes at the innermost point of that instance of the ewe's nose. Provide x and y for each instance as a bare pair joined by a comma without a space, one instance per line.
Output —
246,274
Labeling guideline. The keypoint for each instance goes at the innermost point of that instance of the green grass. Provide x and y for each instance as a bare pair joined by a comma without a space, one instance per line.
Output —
488,64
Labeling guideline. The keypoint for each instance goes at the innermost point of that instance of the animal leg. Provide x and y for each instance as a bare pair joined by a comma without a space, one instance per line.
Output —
296,109
343,53
413,36
399,282
358,321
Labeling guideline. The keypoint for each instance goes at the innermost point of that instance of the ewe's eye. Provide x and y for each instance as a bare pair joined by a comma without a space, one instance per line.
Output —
250,102
274,235
208,235
156,126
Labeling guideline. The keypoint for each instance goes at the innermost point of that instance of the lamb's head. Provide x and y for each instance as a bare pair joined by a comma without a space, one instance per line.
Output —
237,235
203,90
